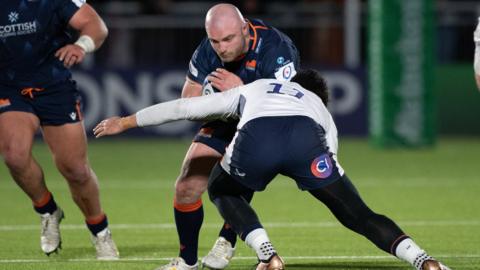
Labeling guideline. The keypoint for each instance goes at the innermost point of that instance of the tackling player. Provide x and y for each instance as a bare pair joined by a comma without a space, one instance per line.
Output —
283,129
37,92
235,51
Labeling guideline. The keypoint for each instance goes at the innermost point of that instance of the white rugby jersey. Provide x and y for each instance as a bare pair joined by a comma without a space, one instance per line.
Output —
261,98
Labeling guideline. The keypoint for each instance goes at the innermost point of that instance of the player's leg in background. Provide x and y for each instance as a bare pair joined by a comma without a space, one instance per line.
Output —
16,139
17,130
68,144
231,199
344,201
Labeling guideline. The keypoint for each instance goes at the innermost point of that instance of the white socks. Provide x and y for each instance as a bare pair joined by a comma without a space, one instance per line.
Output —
258,240
410,252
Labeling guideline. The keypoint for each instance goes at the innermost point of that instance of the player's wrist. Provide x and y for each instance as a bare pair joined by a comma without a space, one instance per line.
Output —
128,122
86,43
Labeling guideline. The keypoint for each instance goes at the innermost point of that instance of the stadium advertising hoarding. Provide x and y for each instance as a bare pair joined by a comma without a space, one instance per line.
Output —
107,92
401,95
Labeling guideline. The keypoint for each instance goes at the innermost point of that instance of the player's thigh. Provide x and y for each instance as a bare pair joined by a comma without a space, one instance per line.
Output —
68,144
196,168
16,134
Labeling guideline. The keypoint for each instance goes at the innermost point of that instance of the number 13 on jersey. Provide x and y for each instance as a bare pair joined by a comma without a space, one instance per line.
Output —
279,89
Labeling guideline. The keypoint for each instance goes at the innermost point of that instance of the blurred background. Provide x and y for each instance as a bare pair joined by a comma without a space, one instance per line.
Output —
145,58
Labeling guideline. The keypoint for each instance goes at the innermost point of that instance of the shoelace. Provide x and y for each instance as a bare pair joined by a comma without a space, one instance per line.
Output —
47,224
219,249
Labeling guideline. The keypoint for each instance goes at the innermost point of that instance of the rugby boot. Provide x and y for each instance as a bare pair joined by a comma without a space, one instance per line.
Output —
178,264
50,239
275,263
220,255
104,245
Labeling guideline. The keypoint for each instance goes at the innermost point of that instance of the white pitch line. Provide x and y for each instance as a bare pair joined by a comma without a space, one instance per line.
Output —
419,223
288,258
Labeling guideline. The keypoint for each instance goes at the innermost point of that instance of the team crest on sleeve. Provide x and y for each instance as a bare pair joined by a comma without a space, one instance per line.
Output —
286,72
280,60
322,166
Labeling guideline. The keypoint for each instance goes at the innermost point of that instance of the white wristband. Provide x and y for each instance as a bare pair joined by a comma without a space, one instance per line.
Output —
86,43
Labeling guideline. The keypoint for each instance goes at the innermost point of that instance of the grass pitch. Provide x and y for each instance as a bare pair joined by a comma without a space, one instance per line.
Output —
431,193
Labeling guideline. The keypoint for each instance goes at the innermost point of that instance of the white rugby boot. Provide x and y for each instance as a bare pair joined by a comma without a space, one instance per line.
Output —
178,264
104,245
220,255
50,239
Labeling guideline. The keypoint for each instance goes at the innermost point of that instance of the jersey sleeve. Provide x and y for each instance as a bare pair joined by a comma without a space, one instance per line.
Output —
210,107
66,8
281,62
198,67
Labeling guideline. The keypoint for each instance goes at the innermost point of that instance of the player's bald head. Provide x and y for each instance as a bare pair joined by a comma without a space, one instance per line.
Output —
223,16
227,31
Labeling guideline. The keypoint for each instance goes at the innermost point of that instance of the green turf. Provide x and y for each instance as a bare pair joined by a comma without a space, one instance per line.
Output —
432,193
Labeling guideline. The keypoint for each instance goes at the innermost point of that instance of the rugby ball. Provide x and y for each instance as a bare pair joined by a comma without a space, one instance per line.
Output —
208,89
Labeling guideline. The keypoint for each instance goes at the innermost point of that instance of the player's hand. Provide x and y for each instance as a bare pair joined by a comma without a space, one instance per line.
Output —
223,79
70,55
109,126
476,34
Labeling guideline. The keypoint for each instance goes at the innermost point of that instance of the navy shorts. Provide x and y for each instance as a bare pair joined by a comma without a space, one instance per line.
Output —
55,105
293,146
217,134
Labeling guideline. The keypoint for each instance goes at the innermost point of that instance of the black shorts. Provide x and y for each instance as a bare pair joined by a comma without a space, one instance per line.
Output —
294,146
217,134
54,105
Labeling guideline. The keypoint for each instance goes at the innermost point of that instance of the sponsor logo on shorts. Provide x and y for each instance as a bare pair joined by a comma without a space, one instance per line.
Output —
4,102
236,171
73,115
322,166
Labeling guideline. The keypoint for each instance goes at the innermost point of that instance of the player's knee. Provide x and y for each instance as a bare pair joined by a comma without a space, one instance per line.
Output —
76,174
216,183
189,190
16,159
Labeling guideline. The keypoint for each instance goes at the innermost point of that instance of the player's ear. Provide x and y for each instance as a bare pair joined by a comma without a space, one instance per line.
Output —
245,28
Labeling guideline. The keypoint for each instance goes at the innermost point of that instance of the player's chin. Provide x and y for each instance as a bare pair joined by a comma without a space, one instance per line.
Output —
227,58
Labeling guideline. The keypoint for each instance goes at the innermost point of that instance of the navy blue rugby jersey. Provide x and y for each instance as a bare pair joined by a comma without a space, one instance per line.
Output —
271,54
31,31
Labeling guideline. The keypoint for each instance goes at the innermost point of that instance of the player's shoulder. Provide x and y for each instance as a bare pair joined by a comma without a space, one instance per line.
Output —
269,34
204,52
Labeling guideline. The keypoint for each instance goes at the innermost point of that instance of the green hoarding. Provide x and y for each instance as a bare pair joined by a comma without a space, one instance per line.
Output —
401,100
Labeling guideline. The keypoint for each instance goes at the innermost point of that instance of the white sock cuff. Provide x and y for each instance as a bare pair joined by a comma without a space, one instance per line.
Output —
408,250
258,240
256,236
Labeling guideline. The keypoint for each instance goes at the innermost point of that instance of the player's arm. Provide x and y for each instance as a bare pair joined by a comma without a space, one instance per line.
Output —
476,61
191,88
280,62
92,33
214,106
